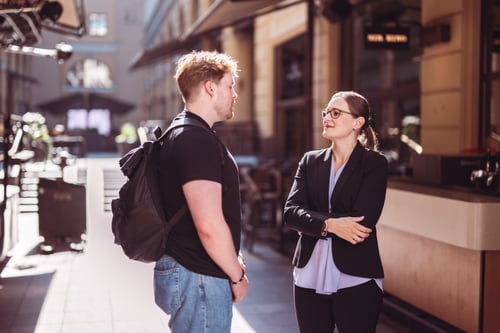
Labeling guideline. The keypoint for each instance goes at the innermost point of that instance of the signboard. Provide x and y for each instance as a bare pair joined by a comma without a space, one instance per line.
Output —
387,38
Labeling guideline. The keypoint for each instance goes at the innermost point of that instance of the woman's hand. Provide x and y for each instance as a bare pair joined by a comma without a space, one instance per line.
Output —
348,228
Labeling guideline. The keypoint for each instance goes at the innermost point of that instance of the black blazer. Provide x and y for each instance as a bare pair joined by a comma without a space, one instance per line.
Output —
360,191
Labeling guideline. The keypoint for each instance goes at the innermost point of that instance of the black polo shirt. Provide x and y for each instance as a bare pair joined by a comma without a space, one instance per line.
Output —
194,153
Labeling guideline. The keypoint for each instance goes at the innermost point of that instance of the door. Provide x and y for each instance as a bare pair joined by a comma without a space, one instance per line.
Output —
293,114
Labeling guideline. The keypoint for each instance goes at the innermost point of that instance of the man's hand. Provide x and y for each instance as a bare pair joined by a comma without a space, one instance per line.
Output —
239,289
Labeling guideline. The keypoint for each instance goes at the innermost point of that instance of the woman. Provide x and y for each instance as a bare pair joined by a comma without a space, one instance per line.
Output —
335,202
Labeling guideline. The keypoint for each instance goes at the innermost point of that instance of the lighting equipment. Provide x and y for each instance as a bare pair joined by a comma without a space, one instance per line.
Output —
61,52
336,10
22,21
51,10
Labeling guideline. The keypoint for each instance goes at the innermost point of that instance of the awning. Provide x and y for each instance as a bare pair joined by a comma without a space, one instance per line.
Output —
84,100
151,55
226,12
220,14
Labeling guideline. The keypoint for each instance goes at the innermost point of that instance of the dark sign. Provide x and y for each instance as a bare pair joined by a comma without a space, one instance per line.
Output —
387,38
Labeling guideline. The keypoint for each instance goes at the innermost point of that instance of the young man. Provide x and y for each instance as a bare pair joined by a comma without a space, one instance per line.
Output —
201,274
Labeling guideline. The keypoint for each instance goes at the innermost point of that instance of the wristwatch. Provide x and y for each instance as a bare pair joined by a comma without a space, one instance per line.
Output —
324,231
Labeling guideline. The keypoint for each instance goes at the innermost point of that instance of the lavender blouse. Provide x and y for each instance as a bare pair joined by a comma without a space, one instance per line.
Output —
320,273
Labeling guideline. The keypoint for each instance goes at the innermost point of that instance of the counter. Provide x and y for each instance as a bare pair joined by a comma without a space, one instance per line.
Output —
461,218
441,253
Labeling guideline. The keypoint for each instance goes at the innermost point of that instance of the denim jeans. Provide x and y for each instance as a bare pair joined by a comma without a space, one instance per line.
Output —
196,303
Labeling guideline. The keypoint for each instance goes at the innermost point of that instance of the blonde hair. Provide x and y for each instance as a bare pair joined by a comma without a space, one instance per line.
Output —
200,66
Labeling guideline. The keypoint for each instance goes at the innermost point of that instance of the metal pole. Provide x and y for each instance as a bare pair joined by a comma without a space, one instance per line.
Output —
310,69
6,146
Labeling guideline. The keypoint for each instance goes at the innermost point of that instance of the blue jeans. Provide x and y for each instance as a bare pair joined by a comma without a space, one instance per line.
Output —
196,303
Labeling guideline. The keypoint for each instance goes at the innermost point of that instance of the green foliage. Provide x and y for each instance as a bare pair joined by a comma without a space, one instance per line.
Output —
128,134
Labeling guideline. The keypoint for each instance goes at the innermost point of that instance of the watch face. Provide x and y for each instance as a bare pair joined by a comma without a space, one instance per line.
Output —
324,231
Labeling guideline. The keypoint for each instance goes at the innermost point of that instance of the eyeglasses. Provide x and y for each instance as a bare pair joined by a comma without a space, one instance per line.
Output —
335,113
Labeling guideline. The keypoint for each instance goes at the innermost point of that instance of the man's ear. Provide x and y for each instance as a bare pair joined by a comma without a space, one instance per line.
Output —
208,86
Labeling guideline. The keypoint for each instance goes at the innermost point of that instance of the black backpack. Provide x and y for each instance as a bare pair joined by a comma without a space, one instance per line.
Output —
139,222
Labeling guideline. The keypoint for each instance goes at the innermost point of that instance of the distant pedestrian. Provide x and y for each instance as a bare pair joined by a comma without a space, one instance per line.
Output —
201,274
335,203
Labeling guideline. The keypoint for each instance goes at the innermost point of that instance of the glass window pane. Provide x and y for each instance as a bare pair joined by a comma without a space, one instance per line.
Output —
100,120
389,76
98,24
77,119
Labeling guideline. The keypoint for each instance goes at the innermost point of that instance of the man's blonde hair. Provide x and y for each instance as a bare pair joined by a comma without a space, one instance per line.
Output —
198,67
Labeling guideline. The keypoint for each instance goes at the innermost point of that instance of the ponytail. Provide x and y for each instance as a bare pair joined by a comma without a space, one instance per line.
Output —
368,138
359,106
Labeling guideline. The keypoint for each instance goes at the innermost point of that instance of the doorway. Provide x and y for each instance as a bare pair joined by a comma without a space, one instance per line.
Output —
292,116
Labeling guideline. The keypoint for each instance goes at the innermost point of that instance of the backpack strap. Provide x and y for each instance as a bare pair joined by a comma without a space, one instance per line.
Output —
181,122
187,121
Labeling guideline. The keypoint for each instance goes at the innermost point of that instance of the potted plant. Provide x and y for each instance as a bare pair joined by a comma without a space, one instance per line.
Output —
38,135
127,139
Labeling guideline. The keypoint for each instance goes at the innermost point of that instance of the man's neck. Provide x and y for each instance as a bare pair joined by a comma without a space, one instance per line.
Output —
202,111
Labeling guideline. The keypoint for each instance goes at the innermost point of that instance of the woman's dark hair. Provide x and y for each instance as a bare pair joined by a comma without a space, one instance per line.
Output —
359,106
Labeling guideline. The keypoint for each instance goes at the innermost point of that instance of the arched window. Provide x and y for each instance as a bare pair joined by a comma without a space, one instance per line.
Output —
89,73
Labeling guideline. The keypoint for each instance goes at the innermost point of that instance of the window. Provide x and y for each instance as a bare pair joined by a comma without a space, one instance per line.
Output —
89,73
489,131
389,77
76,119
98,24
293,68
293,116
98,119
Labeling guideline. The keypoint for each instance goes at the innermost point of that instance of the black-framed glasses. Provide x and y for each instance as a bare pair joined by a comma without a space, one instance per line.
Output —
335,113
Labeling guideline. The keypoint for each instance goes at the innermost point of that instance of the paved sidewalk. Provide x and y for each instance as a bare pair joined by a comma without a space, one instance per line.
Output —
101,290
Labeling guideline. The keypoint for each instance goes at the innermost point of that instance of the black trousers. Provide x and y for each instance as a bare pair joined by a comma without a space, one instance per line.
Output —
352,310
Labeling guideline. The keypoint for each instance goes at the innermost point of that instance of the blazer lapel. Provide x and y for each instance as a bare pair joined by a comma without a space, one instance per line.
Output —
349,168
322,176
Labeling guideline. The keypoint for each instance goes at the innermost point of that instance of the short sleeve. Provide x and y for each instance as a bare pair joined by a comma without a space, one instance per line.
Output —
197,156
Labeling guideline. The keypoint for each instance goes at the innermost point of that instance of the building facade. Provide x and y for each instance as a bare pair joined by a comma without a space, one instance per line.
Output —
430,72
93,93
299,48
